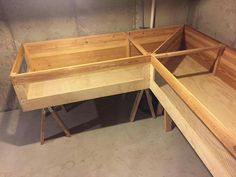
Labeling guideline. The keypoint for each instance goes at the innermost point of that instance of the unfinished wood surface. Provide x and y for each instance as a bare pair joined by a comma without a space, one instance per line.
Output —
168,123
149,101
151,39
195,39
42,127
225,135
187,66
218,58
172,39
87,86
72,70
136,105
214,155
217,96
226,69
70,45
71,59
187,52
140,48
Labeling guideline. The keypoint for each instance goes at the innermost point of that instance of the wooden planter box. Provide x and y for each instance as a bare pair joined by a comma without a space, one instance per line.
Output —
191,74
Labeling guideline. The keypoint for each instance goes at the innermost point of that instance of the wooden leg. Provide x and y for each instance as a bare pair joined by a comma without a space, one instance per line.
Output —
160,109
42,126
59,121
135,106
168,122
149,100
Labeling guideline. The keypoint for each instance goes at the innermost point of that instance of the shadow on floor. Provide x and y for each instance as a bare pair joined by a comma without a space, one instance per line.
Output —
20,128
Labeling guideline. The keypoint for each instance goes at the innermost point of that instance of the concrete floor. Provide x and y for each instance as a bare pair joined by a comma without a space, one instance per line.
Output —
119,149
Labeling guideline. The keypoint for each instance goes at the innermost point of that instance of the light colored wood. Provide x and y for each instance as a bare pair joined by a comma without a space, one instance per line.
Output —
226,136
128,50
195,39
217,96
72,59
178,34
187,52
149,101
214,155
139,47
87,86
188,67
227,67
72,70
168,123
204,118
135,105
151,39
71,43
217,61
42,127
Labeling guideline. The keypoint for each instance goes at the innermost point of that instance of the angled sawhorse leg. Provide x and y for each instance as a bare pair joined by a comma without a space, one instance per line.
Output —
57,118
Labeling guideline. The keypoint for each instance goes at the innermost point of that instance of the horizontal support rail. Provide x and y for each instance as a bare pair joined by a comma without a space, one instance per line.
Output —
72,70
187,52
226,136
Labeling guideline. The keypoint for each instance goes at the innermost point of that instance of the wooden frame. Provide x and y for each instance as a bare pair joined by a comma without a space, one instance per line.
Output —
158,59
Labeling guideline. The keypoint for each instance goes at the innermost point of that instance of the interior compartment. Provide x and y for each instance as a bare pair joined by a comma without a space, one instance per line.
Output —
151,39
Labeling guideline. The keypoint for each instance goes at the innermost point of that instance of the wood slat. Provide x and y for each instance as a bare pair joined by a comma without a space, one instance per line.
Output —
71,70
187,52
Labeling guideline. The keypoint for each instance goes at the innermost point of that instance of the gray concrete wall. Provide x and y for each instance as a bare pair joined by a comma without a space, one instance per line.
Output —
216,18
168,12
29,20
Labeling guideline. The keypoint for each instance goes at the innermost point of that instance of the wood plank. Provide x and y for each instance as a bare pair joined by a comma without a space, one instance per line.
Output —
138,46
227,67
149,101
135,105
217,61
70,42
71,70
168,123
178,34
187,52
227,137
44,63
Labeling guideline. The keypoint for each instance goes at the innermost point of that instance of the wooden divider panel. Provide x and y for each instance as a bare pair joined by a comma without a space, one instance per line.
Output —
151,39
195,39
226,69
